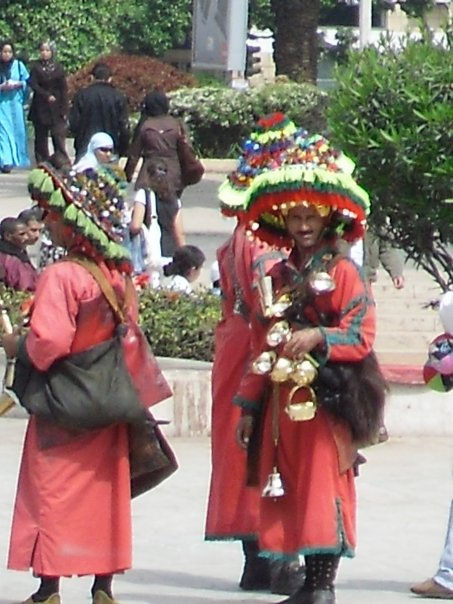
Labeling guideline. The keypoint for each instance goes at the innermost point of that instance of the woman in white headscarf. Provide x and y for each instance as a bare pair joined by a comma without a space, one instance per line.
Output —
100,150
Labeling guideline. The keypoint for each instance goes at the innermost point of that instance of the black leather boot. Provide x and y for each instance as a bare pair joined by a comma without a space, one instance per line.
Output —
256,574
286,576
318,588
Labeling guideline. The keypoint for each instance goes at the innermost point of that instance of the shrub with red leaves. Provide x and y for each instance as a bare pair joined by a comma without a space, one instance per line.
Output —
134,75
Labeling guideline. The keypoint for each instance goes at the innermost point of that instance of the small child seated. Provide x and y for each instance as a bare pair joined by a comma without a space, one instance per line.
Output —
184,269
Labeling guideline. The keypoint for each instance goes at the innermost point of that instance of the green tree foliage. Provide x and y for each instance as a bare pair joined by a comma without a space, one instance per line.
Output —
392,112
83,29
153,26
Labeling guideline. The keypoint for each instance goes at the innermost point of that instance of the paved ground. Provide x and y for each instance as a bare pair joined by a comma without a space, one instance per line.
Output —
404,494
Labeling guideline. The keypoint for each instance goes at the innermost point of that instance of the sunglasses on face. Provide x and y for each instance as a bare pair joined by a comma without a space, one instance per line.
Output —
105,149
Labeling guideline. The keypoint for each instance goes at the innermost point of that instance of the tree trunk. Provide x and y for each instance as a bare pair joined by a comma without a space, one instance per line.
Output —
296,40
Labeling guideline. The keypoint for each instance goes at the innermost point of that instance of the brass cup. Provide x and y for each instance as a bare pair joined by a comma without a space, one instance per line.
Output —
322,282
303,372
264,363
281,305
279,332
281,370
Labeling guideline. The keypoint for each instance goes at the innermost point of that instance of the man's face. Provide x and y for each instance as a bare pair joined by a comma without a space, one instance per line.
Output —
34,228
305,225
19,237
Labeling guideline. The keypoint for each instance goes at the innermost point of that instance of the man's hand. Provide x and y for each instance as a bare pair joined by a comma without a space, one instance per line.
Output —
398,282
244,431
302,341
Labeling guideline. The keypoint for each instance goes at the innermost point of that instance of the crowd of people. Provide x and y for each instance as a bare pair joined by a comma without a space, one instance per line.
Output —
98,117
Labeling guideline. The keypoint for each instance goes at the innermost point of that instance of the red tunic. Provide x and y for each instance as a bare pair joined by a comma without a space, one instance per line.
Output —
72,514
233,507
317,512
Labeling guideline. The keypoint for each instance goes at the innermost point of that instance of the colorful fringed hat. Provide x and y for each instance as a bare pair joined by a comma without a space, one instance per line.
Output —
281,167
92,204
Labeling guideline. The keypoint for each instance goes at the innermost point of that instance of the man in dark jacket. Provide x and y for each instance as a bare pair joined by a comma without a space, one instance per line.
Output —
99,108
16,270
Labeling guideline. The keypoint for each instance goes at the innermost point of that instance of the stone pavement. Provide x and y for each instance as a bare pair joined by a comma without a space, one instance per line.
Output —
404,493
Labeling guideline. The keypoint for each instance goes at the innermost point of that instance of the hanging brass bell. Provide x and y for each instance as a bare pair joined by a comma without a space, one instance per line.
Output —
264,363
281,370
302,411
274,485
279,333
321,282
303,372
281,305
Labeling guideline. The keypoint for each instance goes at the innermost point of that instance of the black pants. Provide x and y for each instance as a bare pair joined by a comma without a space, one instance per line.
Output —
57,132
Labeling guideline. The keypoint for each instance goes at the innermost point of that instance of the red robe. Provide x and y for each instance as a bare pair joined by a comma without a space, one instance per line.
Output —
73,513
317,512
233,507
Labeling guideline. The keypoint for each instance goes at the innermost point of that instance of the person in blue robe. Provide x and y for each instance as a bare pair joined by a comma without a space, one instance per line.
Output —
13,95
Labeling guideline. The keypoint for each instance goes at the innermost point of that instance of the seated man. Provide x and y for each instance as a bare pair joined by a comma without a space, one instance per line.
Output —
16,270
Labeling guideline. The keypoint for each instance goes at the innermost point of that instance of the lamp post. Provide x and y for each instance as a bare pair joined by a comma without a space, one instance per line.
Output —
364,22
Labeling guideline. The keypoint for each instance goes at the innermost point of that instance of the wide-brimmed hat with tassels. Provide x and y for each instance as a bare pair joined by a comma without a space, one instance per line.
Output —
281,166
92,204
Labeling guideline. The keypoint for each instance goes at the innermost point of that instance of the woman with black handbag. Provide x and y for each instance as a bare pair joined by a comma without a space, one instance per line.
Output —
72,514
160,136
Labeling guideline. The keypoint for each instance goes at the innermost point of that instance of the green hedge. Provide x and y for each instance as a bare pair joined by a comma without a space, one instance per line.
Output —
176,325
220,118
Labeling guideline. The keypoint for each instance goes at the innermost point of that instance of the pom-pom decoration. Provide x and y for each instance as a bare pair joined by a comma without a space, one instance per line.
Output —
91,204
280,167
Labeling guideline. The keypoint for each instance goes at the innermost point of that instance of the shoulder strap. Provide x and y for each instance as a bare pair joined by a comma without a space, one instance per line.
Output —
106,287
148,209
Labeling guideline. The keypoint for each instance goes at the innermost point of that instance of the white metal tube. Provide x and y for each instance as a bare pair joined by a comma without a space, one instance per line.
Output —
365,8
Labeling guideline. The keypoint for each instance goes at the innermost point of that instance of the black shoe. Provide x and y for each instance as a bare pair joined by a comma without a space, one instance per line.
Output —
256,575
317,596
6,169
286,577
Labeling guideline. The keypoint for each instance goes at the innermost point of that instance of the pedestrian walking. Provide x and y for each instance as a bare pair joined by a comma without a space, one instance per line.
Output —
376,251
16,269
156,137
13,96
49,106
99,107
98,154
73,505
314,376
